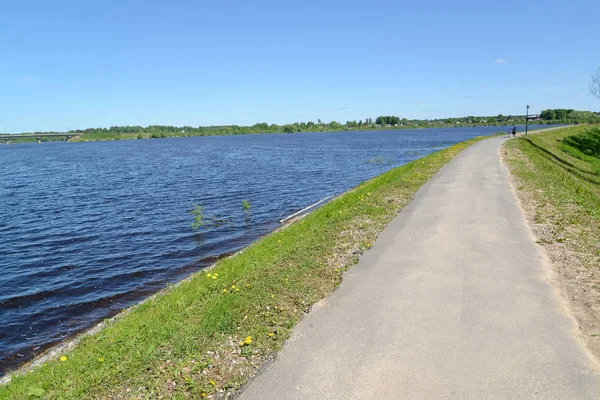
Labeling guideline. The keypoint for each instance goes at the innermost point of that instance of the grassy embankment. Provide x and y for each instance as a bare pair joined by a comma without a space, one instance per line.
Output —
207,335
558,180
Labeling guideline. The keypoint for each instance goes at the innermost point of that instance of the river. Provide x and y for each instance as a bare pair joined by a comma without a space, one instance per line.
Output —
87,229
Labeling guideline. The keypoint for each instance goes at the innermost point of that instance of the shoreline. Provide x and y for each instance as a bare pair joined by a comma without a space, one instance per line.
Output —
266,290
119,137
29,349
54,350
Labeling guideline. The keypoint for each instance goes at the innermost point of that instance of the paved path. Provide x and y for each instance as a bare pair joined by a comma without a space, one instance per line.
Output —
452,302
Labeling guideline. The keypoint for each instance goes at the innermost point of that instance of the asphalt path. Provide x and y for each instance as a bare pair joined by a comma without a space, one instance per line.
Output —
455,300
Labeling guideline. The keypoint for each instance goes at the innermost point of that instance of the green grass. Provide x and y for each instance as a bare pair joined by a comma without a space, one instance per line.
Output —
585,147
552,170
557,172
211,332
557,178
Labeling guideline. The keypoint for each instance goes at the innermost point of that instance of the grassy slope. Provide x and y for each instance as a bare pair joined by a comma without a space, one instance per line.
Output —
207,335
571,184
560,186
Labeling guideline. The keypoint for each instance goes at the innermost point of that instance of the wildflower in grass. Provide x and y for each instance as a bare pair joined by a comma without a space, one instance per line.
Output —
279,241
233,286
100,359
224,290
248,340
245,317
203,394
237,290
272,296
213,383
271,334
187,379
209,275
63,358
214,277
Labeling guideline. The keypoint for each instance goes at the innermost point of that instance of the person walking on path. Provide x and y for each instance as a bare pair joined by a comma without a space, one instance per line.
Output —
514,131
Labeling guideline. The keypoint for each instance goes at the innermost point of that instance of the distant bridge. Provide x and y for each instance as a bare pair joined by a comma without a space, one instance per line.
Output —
38,136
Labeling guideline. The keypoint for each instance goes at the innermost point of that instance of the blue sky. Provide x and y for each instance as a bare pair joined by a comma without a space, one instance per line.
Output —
77,64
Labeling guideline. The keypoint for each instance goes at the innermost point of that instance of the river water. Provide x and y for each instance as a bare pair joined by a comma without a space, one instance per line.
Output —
87,229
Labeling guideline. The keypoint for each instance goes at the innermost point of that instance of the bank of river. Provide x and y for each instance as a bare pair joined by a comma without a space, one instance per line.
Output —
91,228
209,334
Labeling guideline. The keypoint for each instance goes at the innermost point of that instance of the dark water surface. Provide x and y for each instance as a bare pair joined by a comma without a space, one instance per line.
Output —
87,229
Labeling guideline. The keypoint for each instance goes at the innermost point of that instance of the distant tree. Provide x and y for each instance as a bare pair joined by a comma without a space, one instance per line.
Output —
548,115
595,84
289,128
387,120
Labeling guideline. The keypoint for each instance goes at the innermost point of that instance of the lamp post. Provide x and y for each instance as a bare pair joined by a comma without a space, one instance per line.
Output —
527,119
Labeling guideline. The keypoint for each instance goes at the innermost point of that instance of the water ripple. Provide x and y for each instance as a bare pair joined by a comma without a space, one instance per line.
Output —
87,229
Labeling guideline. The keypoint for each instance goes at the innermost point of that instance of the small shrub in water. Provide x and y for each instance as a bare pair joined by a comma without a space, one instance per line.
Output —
380,160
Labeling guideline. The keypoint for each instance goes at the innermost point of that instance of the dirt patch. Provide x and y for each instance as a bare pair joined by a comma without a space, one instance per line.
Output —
573,250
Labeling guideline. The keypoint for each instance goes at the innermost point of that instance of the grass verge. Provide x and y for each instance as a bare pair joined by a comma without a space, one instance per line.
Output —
208,335
558,182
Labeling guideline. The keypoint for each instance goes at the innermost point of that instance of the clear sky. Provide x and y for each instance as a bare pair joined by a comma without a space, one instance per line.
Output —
77,64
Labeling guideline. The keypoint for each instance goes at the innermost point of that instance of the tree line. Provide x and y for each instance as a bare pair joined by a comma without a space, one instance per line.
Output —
388,121
563,114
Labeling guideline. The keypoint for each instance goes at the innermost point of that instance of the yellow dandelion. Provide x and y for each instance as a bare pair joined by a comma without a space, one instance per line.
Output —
279,241
209,275
245,317
203,394
214,277
212,383
100,359
187,379
224,290
237,290
45,364
233,286
271,334
248,340
272,296
216,274
63,358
